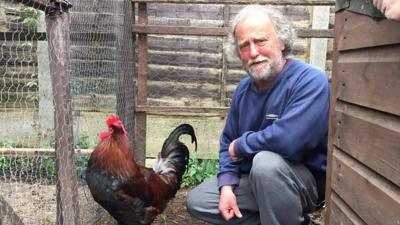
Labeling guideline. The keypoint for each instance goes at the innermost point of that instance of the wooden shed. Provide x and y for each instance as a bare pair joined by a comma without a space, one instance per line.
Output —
364,142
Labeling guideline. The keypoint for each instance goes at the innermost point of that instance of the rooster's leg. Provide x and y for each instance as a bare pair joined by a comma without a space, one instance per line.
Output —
150,214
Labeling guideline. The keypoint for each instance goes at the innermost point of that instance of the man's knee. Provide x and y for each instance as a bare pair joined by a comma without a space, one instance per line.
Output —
267,165
203,198
192,201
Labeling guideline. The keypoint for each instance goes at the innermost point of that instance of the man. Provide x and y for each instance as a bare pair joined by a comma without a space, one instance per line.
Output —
273,146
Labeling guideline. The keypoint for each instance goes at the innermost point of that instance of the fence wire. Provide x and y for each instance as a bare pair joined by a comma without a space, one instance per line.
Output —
100,83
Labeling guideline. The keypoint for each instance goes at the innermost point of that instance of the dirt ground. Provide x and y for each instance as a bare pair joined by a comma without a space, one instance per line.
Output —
36,205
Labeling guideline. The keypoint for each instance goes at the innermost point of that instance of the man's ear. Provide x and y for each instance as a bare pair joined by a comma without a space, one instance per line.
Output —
281,45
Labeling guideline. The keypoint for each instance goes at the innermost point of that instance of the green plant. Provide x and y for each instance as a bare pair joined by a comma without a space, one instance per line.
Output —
7,143
32,18
49,142
5,163
199,170
83,142
81,165
48,165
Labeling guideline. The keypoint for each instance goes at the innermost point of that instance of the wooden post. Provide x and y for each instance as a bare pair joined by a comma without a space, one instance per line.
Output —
140,118
58,41
125,71
319,46
224,70
46,107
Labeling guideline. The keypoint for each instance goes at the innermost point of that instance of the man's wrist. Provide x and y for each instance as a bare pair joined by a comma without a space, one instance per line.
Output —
227,188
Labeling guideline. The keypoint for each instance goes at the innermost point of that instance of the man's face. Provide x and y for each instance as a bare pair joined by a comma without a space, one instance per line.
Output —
259,47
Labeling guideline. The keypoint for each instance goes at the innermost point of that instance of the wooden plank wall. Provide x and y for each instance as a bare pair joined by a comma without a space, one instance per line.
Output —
364,142
185,70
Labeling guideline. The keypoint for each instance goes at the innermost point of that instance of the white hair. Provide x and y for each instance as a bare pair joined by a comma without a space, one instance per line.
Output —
283,27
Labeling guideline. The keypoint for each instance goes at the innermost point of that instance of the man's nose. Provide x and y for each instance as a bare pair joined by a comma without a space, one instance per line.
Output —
253,50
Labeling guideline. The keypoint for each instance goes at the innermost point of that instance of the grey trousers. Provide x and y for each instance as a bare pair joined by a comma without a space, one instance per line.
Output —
275,192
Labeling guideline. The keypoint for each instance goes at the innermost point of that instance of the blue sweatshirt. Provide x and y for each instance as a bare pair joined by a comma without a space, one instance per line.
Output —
289,118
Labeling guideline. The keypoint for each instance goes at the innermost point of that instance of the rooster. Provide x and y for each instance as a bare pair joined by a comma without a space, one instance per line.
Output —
131,193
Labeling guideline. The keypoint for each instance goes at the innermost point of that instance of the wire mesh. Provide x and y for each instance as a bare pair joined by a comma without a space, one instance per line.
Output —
100,67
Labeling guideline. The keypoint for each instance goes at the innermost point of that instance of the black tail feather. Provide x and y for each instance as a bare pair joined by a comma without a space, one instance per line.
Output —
174,138
177,152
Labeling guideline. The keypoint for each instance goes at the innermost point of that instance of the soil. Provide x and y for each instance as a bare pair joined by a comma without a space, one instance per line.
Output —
36,205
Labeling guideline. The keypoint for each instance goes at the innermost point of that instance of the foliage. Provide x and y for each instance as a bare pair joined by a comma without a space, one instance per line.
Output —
199,170
7,143
32,19
48,165
81,165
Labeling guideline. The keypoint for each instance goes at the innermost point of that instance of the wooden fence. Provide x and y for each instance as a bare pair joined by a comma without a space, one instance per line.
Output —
364,141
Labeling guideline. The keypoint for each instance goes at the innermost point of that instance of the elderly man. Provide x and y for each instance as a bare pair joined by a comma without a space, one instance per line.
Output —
273,147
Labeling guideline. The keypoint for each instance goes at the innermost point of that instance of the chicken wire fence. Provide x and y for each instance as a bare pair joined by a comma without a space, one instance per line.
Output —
42,41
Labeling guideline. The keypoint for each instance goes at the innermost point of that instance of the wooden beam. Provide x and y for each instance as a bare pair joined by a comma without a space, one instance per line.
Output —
57,28
142,67
200,111
125,93
239,2
216,31
179,30
37,4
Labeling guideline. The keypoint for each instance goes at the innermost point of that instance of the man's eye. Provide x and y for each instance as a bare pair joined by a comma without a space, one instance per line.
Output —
244,46
261,42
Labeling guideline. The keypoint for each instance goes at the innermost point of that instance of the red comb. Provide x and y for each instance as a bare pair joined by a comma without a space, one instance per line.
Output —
113,120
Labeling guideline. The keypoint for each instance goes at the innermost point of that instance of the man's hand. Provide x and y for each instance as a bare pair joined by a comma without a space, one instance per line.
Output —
231,151
391,8
227,204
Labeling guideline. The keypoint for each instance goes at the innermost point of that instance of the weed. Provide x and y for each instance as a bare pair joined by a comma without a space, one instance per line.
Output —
7,143
199,170
32,19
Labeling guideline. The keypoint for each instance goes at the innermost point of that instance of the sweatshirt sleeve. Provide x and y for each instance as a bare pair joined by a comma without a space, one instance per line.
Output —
228,169
301,125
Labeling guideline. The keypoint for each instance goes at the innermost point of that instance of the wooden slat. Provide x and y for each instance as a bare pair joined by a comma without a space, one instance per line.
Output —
374,199
270,2
342,214
216,31
370,78
185,43
374,32
201,111
371,137
185,59
180,30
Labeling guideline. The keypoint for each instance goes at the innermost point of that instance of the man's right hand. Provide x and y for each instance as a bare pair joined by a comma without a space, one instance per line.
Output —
227,204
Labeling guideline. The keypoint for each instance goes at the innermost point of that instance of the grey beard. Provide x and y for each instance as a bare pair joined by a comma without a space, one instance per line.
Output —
265,74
